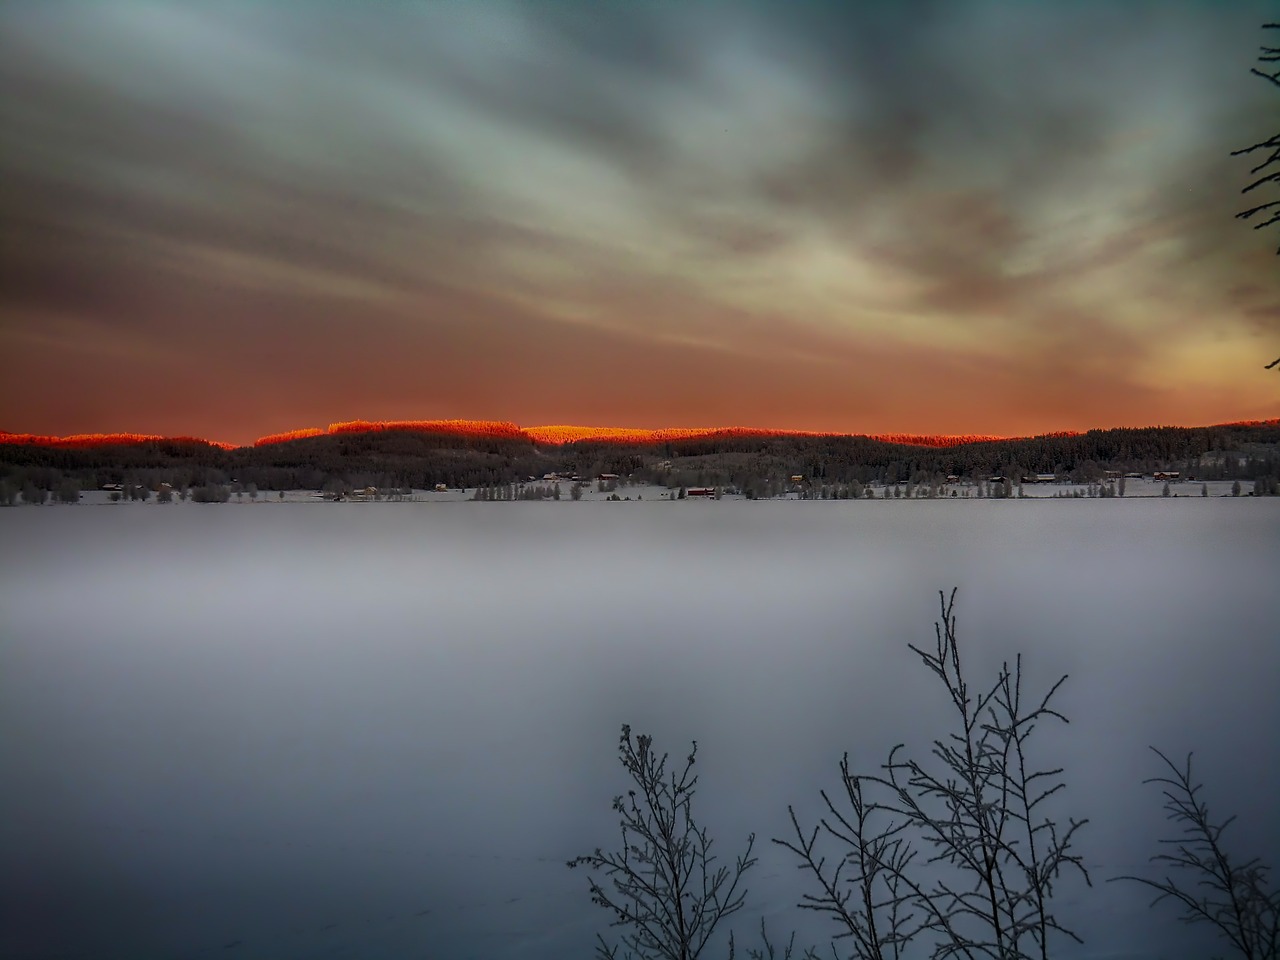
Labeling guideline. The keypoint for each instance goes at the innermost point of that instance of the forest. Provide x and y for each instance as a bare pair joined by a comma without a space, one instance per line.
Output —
756,463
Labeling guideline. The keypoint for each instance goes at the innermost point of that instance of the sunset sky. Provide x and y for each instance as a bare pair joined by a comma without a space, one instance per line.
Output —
234,219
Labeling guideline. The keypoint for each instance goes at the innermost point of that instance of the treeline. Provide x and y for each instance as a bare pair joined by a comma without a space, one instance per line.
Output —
759,465
764,465
863,458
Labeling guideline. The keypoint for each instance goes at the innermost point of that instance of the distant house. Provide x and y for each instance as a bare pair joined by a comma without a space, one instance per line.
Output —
441,488
1170,475
113,486
797,478
1040,478
606,477
702,491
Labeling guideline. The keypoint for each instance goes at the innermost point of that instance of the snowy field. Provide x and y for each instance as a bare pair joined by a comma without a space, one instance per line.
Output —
1136,489
378,730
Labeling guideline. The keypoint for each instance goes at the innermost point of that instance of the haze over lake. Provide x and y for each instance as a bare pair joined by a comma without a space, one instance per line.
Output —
379,730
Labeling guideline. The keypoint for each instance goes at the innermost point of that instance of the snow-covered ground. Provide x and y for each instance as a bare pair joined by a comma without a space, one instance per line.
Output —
378,730
648,492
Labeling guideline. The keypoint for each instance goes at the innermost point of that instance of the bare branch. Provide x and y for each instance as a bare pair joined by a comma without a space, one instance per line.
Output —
985,886
1234,898
1268,54
664,888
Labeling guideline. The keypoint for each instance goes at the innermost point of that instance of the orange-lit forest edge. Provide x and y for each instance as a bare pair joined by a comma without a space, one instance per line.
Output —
465,454
560,434
549,435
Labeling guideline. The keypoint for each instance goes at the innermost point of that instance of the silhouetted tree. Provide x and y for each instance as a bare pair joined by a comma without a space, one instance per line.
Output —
661,886
1212,887
1271,56
974,805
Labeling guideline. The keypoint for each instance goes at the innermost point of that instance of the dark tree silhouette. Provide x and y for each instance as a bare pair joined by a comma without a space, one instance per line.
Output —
1212,886
1270,56
955,849
661,885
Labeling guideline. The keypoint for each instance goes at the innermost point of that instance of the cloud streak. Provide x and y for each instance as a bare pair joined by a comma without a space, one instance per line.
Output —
922,217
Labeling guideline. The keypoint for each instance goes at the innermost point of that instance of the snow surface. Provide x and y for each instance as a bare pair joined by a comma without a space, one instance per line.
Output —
379,729
1134,488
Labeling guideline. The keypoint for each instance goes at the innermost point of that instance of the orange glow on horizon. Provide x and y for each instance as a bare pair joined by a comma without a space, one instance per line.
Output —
288,435
464,428
467,428
81,441
561,434
547,435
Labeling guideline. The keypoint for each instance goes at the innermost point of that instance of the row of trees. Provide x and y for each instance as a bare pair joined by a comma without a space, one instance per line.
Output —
960,853
406,459
12,492
335,488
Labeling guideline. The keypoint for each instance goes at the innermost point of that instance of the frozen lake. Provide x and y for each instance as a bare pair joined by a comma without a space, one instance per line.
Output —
379,730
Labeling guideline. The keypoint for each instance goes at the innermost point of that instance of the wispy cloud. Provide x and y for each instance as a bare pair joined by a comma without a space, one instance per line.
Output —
703,211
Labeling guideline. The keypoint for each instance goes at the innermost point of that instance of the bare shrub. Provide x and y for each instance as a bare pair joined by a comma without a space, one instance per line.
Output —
662,886
1211,888
991,856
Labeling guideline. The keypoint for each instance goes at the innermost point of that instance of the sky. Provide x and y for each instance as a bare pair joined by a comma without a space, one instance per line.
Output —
234,219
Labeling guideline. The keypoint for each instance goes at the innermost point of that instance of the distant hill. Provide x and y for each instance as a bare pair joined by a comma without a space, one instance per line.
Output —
561,434
89,441
468,453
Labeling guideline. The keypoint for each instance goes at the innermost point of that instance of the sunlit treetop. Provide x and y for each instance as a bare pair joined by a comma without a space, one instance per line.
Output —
549,435
89,440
